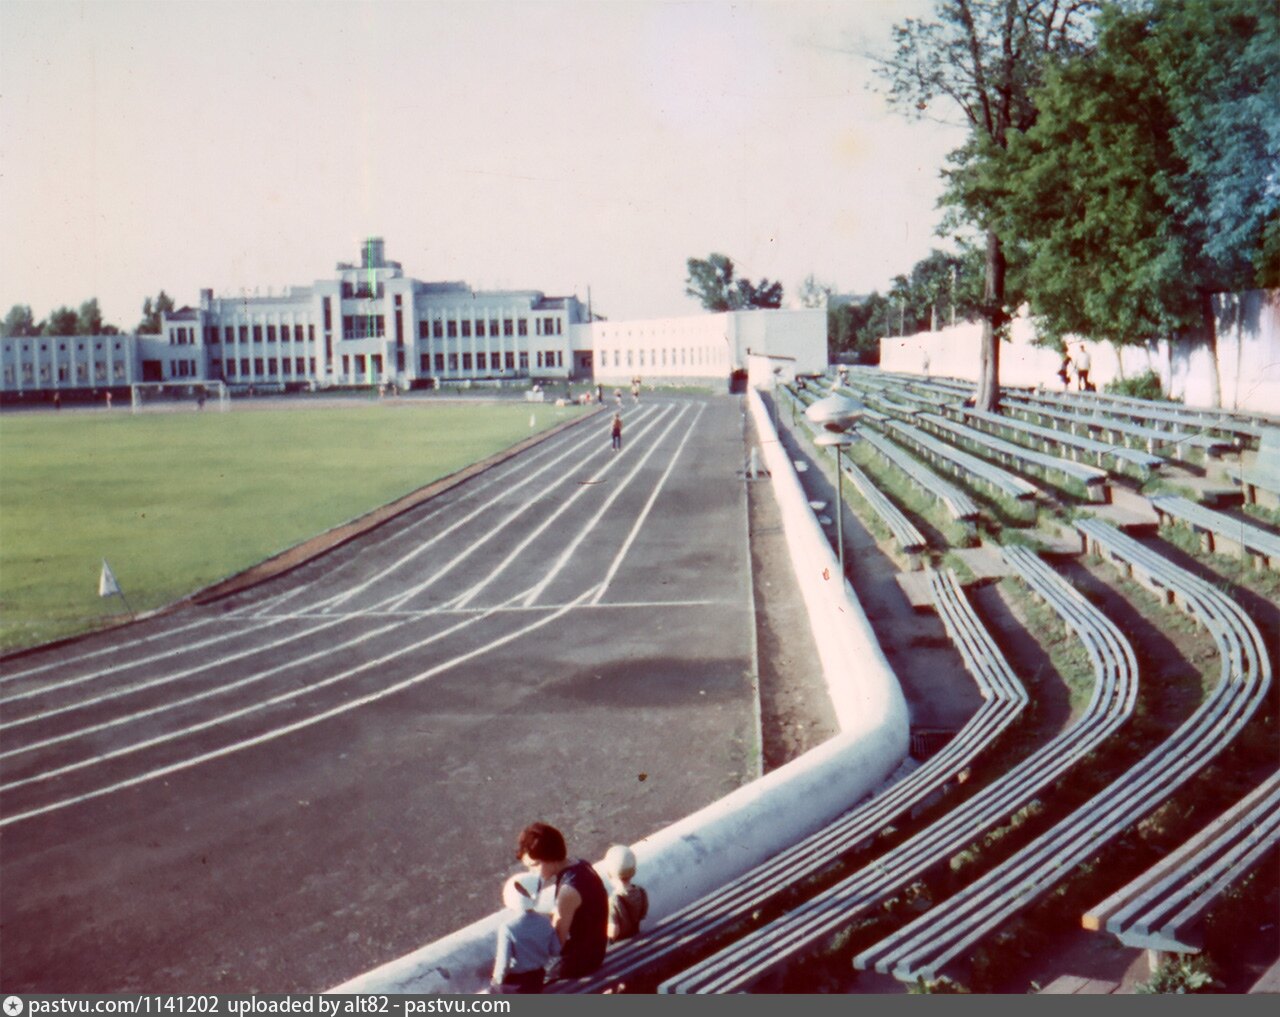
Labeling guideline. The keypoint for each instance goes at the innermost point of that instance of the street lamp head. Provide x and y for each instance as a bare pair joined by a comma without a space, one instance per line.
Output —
834,439
835,412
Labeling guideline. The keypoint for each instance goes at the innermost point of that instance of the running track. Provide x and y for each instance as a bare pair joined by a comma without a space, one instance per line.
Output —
279,790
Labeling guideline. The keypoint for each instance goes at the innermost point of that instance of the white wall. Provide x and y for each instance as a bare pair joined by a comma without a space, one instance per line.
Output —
1248,357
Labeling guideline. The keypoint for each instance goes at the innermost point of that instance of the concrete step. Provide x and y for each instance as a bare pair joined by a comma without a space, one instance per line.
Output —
1078,985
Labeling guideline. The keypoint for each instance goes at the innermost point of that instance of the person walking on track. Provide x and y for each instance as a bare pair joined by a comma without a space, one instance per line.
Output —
616,431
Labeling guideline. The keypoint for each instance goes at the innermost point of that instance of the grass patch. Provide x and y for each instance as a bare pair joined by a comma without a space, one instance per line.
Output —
176,501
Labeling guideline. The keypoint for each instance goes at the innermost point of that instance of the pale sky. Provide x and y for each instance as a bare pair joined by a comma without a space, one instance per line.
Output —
550,146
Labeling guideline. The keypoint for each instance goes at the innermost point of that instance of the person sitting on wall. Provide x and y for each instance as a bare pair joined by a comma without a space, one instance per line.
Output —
581,912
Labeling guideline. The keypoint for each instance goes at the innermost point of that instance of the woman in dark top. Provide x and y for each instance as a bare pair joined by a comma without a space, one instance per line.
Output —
582,904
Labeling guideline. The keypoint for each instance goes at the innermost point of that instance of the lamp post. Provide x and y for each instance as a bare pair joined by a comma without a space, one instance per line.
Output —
836,414
837,441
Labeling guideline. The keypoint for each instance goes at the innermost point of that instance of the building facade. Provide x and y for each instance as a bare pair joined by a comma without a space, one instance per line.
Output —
370,325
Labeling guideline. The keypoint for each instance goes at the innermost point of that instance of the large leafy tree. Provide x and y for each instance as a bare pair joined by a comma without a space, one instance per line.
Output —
62,321
1149,181
712,282
984,58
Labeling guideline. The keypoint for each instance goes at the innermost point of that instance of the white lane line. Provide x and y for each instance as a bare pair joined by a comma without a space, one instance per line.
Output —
117,648
169,677
591,525
466,597
468,492
635,530
199,696
297,725
223,718
431,612
398,601
127,665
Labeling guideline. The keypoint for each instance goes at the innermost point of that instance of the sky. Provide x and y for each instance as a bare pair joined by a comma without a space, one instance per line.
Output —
553,146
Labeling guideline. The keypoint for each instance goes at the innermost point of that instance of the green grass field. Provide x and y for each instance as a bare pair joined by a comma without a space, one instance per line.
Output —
176,501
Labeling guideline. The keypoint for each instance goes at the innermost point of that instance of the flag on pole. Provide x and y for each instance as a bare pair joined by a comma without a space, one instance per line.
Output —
107,585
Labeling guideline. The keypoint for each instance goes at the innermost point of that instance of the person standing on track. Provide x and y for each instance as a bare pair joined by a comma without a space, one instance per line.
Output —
615,431
581,912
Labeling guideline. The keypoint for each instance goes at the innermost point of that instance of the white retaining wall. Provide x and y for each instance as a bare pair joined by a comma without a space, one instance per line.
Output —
1248,356
688,859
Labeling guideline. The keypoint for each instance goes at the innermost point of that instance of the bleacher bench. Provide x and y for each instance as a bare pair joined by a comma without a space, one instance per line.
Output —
1261,480
737,967
1163,909
1220,532
943,938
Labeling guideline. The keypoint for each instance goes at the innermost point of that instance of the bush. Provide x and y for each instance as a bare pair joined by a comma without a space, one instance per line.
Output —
1180,975
1142,386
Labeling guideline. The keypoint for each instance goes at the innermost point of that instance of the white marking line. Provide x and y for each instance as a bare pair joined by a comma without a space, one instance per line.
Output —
127,665
468,491
118,648
297,725
197,697
507,609
172,676
461,601
635,530
282,697
586,530
396,600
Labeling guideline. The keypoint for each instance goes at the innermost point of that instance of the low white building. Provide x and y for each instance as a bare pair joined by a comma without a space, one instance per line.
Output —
371,325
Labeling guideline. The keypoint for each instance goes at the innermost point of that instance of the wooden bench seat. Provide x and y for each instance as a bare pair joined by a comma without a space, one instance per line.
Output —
1220,532
737,967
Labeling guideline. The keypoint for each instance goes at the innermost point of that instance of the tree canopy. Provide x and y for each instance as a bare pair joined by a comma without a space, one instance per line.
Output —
984,57
712,282
151,312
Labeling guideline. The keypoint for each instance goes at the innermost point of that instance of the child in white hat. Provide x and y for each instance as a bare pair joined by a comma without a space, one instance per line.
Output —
526,940
628,902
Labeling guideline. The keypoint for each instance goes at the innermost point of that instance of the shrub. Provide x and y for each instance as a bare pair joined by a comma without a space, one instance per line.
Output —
1142,386
1180,975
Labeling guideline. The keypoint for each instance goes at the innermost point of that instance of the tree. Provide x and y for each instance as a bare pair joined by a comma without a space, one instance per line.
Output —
151,312
62,321
985,57
1138,193
20,322
814,294
90,318
712,283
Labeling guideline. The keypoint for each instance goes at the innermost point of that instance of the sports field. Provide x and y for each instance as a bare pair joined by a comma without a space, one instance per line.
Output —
176,501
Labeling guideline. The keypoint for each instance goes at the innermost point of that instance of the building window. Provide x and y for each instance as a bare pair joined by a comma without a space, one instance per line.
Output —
439,363
359,365
524,361
506,326
424,330
286,367
297,333
466,362
424,363
511,361
453,330
437,329
466,330
346,365
523,328
300,365
453,361
273,367
539,358
482,361
271,333
311,332
375,364
244,367
480,328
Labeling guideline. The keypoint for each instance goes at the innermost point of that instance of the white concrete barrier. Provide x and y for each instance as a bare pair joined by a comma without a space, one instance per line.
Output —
690,858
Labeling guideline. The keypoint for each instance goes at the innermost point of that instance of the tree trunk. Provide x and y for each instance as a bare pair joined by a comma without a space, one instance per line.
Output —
988,397
1210,325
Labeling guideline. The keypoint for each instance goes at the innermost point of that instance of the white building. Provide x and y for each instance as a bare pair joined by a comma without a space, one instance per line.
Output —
370,325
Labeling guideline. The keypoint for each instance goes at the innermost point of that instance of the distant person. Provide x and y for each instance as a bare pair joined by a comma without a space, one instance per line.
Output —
615,430
924,363
1083,362
527,943
108,400
581,910
57,400
628,901
617,397
1064,370
635,391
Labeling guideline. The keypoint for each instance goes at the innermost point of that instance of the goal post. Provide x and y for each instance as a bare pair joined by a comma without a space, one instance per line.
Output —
178,395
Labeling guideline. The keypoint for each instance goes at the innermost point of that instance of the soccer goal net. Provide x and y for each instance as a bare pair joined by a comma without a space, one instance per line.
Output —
178,395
